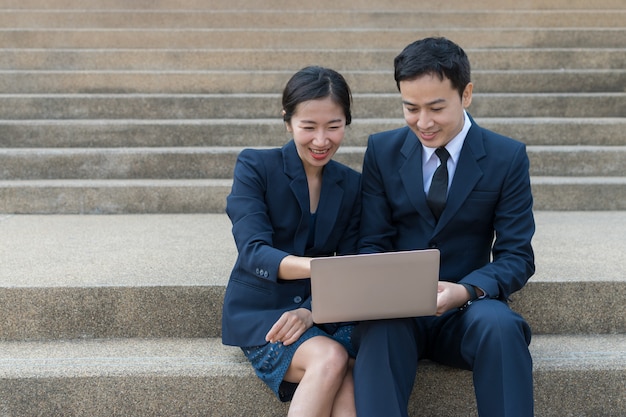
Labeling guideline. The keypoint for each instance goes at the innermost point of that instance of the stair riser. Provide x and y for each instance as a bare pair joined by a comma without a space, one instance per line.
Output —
239,5
261,82
93,197
599,195
244,395
247,106
201,163
208,196
193,311
98,164
272,132
105,312
291,60
282,19
313,39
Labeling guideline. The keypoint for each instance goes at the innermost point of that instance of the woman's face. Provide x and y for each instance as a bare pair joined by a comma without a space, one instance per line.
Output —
318,127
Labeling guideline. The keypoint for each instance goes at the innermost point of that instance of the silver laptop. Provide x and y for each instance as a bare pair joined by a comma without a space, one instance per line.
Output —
374,286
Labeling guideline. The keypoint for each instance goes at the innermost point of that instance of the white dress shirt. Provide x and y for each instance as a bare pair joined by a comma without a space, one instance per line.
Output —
430,161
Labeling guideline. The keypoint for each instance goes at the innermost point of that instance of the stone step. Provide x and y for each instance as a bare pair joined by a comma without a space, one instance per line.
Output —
291,59
307,19
253,106
316,38
152,196
243,5
108,311
200,377
219,162
229,82
271,132
113,196
76,277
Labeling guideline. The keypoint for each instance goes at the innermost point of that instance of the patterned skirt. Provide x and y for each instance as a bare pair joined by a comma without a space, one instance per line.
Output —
271,361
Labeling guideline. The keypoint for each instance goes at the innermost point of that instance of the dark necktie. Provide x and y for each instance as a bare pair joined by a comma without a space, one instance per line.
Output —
437,194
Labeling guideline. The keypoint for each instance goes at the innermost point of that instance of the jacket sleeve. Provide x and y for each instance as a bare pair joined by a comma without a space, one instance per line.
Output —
514,226
247,209
377,229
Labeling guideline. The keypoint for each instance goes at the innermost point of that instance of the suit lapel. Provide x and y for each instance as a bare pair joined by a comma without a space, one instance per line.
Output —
468,173
330,203
330,199
292,166
412,175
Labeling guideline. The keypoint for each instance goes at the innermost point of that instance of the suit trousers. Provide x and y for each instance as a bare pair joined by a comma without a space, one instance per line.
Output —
487,337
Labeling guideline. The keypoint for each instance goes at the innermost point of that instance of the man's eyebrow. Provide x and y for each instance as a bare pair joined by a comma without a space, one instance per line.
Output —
437,101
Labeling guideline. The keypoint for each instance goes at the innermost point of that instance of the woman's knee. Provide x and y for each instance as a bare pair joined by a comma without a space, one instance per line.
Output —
326,355
334,358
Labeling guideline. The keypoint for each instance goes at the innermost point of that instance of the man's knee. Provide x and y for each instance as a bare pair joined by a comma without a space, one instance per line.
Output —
494,319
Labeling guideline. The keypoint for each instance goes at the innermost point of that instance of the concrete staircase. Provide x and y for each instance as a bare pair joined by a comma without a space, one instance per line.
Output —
136,112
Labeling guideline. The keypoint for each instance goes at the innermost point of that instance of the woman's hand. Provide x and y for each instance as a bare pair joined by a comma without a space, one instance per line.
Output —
290,326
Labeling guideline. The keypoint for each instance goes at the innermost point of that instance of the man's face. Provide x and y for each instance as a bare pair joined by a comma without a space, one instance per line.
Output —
433,109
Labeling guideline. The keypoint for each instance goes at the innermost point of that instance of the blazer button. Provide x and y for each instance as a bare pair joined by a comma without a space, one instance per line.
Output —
266,274
297,299
258,272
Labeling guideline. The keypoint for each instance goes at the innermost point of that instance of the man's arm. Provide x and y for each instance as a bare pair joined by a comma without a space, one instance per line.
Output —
512,254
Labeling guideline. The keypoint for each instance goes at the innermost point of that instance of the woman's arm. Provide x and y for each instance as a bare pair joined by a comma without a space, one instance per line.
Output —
294,267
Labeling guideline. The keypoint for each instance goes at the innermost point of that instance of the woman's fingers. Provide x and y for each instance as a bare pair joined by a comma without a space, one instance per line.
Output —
289,327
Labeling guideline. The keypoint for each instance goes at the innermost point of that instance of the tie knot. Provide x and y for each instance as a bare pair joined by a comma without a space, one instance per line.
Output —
443,154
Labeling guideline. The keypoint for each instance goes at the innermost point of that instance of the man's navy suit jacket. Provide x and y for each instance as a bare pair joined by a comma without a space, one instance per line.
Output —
489,198
270,212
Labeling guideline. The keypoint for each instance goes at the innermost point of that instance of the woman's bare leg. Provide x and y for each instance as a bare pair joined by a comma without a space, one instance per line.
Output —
344,401
319,366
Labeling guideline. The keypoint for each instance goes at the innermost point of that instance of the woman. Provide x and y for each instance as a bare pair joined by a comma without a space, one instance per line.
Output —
288,205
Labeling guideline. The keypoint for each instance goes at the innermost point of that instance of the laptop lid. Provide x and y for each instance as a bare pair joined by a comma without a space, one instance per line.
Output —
374,286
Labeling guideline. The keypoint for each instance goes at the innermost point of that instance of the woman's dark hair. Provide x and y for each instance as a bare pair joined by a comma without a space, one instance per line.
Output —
312,83
436,56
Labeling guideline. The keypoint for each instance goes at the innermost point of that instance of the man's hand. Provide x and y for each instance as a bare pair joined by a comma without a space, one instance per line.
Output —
290,326
450,295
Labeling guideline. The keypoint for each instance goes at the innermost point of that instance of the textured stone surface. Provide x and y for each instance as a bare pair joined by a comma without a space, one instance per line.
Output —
164,275
200,377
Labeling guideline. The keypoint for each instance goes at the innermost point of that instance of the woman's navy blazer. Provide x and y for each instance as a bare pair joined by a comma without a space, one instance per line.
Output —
269,209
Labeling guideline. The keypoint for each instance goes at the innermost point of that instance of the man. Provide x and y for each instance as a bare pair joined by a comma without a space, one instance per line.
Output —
482,224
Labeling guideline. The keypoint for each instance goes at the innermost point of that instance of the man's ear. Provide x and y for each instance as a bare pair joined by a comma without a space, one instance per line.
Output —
467,95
